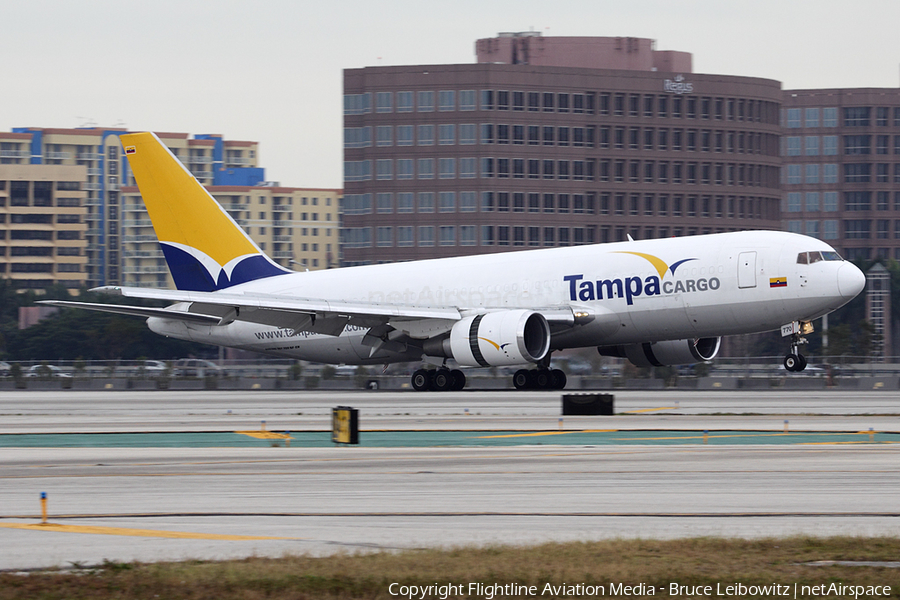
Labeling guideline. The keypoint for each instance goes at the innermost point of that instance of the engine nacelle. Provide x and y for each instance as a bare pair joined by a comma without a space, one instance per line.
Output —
662,354
505,337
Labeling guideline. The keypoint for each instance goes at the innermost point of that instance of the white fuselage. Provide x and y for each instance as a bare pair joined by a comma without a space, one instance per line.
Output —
643,291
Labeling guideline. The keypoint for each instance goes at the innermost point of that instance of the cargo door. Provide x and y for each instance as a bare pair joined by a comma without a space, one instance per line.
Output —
747,270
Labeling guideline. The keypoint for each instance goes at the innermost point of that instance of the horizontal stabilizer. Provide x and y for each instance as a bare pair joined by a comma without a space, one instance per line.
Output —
137,311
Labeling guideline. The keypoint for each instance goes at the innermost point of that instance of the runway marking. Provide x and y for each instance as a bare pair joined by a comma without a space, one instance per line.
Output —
542,433
403,513
742,435
152,533
644,410
266,435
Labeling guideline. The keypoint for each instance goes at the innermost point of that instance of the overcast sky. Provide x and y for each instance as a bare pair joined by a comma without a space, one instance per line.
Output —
271,70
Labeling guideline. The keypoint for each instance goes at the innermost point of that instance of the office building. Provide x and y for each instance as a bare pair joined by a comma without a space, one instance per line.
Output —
539,146
841,175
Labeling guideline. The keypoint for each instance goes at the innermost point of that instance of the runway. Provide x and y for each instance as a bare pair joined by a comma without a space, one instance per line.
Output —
116,503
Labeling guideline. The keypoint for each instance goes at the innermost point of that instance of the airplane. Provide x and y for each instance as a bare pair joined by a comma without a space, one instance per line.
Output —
655,302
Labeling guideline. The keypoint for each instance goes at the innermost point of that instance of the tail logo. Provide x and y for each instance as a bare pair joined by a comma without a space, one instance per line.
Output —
196,271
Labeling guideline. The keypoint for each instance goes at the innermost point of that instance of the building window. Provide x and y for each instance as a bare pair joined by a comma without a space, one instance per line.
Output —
792,146
426,235
812,145
467,100
829,117
857,229
426,168
857,144
467,235
467,168
446,100
857,201
383,168
447,135
829,230
384,135
384,203
405,135
404,168
405,236
830,201
405,202
467,202
857,173
448,235
467,134
812,117
448,168
793,118
426,202
383,237
426,135
857,116
425,101
404,102
812,201
384,102
447,202
812,173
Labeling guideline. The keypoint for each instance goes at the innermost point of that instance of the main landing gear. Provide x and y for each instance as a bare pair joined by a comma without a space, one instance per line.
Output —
794,361
541,378
438,380
453,380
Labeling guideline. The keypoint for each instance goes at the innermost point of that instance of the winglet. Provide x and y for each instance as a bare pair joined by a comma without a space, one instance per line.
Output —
204,248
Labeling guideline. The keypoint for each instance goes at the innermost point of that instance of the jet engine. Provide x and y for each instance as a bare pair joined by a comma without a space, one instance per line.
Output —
661,354
505,337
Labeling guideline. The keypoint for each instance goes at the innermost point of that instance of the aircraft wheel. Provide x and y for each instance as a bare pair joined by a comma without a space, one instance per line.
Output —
441,381
792,362
803,362
459,380
559,379
421,380
521,379
542,379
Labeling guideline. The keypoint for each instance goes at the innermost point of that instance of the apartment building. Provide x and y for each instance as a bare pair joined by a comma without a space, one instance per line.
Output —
212,159
42,224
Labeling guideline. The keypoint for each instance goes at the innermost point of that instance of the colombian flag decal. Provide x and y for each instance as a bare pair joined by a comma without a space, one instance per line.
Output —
775,282
130,150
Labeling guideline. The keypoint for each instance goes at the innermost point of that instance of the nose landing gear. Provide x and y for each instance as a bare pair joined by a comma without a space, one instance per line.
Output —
794,361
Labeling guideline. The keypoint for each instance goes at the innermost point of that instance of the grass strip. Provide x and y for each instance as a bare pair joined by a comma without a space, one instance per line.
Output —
620,568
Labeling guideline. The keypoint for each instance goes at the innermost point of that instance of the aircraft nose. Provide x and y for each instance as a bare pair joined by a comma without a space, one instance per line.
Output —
851,280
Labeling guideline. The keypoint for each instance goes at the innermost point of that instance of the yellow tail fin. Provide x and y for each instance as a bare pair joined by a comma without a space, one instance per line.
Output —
204,248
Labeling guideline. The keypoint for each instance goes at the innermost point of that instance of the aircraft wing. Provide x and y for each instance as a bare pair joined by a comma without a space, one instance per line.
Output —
137,311
302,314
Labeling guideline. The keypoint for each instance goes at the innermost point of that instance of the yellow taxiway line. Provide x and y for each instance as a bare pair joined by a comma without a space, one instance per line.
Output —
541,433
95,530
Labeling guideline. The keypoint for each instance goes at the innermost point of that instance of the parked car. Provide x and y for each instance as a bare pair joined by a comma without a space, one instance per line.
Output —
5,369
46,371
195,367
151,368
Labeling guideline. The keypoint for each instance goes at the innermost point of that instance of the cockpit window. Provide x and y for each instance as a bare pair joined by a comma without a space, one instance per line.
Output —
808,258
